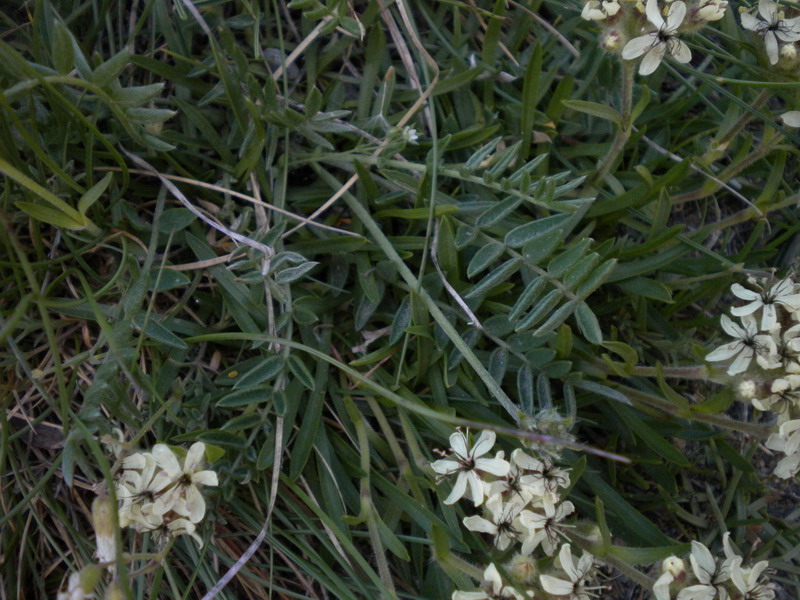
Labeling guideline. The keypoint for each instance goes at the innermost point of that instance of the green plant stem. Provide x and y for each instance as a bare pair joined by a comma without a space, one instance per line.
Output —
653,401
710,187
624,130
722,143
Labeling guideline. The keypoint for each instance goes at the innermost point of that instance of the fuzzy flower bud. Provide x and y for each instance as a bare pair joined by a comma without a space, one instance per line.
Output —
747,389
102,519
612,41
81,585
523,569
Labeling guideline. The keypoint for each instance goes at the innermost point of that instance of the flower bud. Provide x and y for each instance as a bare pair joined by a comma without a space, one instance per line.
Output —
675,567
115,592
81,585
747,389
103,521
612,41
523,569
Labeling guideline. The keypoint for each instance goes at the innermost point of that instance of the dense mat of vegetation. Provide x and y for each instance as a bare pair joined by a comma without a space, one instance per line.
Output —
319,236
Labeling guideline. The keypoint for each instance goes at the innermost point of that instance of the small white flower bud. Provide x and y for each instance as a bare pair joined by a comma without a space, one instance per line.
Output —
81,585
788,52
612,41
747,389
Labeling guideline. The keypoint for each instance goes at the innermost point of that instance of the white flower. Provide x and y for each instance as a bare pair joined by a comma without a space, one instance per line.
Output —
544,528
541,473
174,528
709,574
712,10
772,28
501,521
576,588
467,462
744,348
594,10
180,482
498,589
139,492
656,43
672,568
767,300
517,485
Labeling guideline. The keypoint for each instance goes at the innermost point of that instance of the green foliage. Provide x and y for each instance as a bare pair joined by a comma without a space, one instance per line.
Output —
478,275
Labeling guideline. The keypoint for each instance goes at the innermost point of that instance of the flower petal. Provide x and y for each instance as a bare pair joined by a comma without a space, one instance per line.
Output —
677,11
555,586
724,352
495,466
458,443
771,45
750,22
679,50
167,460
484,443
654,14
652,59
478,523
638,46
459,487
742,361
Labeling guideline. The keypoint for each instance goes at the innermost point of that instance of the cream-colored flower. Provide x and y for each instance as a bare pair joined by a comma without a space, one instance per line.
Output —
595,10
577,586
772,26
767,299
655,44
141,493
501,522
543,528
181,482
495,588
174,528
744,348
467,463
709,573
542,473
711,10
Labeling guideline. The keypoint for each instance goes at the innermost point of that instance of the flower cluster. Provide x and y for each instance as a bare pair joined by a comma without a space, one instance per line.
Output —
765,354
160,492
651,30
712,578
522,505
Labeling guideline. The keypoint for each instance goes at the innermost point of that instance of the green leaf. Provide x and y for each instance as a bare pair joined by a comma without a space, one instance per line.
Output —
541,247
265,370
484,257
649,288
63,51
499,275
292,274
588,324
246,397
524,234
93,194
299,370
111,69
48,215
596,110
497,212
156,331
